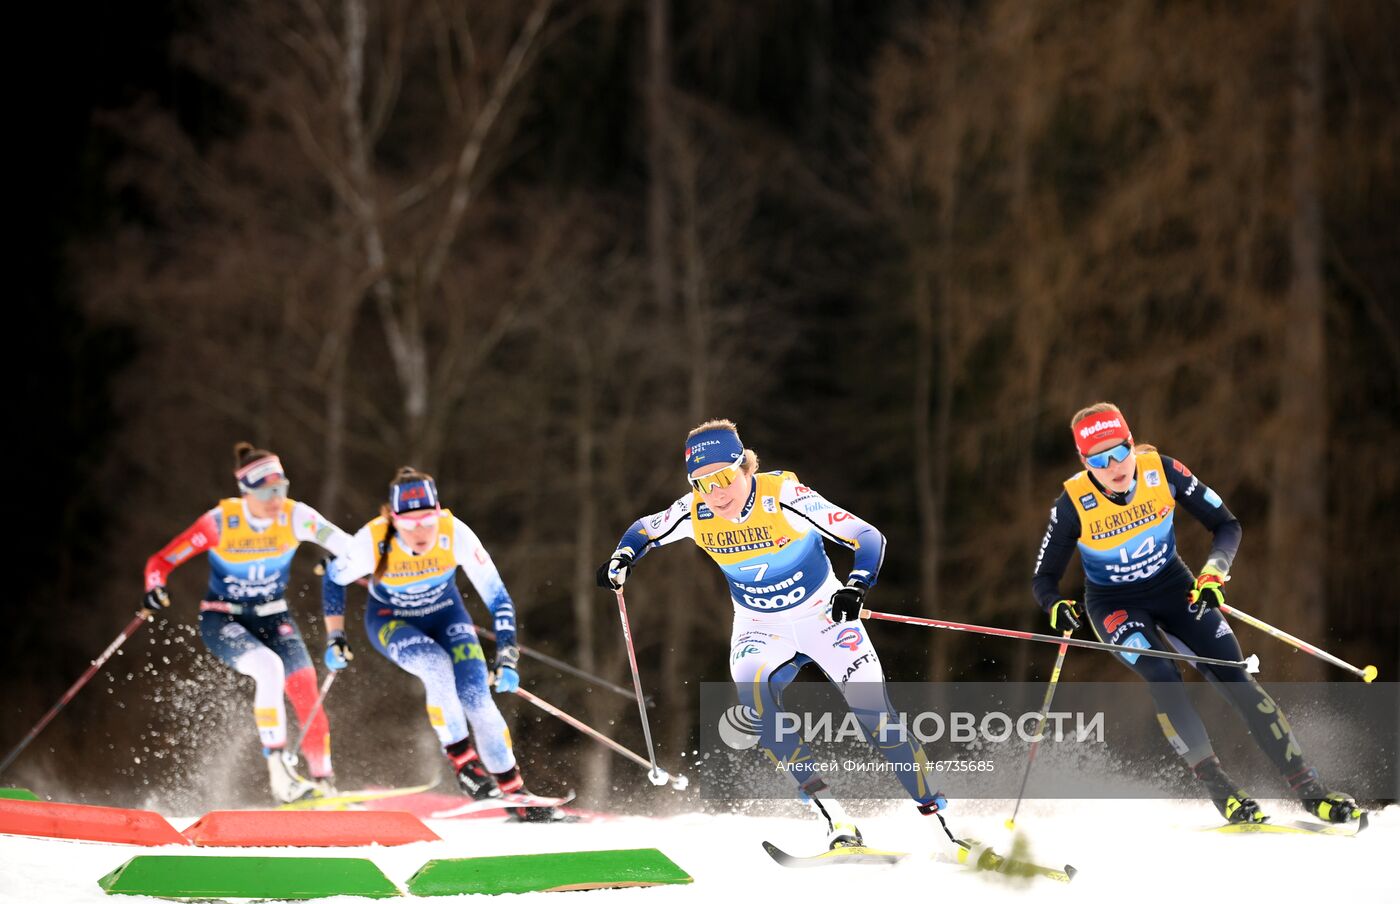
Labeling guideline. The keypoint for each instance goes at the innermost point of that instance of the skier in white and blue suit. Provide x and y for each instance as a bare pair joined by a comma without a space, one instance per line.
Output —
765,531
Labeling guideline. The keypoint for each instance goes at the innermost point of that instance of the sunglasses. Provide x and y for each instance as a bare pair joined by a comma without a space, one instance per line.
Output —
268,493
718,480
1108,456
416,521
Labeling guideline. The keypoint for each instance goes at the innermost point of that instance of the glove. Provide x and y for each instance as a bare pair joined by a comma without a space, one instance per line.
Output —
338,652
1065,615
506,671
156,599
846,602
612,574
1209,591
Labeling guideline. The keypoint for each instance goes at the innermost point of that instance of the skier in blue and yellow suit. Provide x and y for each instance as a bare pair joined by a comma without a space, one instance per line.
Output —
765,532
1120,513
415,618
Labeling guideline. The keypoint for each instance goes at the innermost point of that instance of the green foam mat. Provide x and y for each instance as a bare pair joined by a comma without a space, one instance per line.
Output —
18,794
280,878
546,872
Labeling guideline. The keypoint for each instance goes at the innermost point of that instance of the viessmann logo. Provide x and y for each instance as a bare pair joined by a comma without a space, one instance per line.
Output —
1098,426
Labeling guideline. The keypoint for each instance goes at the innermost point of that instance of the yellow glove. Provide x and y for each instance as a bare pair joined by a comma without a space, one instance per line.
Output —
1064,615
1209,592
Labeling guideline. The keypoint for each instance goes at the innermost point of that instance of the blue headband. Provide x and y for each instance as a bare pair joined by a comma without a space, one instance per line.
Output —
719,444
412,495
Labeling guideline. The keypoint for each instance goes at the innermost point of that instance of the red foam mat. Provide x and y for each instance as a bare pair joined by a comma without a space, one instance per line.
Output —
307,828
84,823
428,804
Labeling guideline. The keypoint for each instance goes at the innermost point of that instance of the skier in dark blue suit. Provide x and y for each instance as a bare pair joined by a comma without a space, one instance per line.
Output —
1119,513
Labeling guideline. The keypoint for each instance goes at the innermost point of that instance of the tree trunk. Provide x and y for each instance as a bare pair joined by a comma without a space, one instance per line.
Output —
658,93
1297,511
597,762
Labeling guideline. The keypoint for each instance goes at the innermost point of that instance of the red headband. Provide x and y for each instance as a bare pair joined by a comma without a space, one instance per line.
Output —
1093,429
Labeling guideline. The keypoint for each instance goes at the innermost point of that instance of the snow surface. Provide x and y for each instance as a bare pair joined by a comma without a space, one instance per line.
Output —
1136,850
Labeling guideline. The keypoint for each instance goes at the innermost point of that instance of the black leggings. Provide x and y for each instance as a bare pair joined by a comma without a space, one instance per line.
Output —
1160,619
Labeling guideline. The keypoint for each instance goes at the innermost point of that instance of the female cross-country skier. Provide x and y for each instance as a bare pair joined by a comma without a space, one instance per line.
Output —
244,620
1119,512
415,617
765,532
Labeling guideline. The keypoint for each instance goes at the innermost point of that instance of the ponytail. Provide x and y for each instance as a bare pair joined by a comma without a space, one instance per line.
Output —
383,562
245,452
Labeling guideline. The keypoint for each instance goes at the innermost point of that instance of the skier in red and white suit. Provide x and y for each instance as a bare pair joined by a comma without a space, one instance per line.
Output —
244,619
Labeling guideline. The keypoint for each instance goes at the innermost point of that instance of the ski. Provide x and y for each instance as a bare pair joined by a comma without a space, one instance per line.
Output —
860,855
986,859
1345,830
990,860
504,802
347,798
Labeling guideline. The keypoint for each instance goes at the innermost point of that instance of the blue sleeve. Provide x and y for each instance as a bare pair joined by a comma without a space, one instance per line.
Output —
636,539
1056,549
332,596
503,617
869,556
1206,506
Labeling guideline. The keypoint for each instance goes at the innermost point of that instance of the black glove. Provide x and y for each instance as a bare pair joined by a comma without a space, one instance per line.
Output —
156,599
846,602
612,574
1064,616
338,652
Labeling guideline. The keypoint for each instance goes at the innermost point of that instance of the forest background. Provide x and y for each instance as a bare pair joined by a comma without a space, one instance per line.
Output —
526,246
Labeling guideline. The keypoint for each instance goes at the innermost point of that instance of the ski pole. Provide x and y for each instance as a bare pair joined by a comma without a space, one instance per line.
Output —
657,775
559,664
563,666
1040,728
679,782
315,710
136,622
1368,674
1251,664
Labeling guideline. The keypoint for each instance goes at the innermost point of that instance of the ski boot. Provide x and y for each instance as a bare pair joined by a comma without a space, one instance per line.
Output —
323,786
1233,804
472,776
842,835
288,785
1328,806
510,782
841,829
